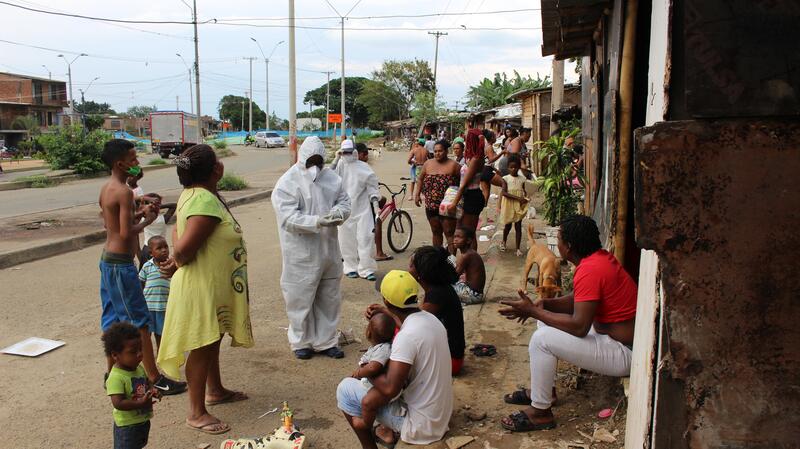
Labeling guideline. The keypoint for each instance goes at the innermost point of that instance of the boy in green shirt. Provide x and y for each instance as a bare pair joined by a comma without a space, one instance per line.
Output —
128,385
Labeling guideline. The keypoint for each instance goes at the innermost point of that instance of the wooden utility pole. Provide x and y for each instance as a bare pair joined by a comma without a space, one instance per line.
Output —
438,34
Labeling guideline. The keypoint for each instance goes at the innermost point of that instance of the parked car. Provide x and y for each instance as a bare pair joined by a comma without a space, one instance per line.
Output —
269,139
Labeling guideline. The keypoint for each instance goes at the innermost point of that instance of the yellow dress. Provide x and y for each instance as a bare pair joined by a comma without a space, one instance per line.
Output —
512,211
209,295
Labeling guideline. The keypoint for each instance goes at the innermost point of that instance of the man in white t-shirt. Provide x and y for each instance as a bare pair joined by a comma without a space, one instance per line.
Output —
419,367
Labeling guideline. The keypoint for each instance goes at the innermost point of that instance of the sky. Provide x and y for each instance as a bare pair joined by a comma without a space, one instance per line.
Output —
136,64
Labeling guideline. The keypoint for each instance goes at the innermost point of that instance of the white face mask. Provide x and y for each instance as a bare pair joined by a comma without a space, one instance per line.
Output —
312,172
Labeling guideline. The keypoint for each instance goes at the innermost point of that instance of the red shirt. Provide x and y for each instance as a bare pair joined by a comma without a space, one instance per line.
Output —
600,277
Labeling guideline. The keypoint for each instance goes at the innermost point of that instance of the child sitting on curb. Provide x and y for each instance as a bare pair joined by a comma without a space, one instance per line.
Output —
470,268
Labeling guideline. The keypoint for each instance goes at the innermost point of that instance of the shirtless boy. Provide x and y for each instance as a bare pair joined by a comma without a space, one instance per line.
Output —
416,159
121,293
469,266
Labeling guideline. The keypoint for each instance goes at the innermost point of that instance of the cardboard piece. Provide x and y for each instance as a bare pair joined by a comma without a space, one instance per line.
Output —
32,347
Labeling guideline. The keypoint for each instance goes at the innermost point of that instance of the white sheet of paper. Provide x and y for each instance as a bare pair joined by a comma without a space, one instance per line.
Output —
32,347
483,238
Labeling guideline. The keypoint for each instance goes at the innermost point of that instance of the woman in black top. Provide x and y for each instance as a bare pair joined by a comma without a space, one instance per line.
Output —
436,274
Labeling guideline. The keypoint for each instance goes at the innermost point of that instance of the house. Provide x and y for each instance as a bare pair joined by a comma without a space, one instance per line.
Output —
507,114
480,118
23,95
536,107
400,129
691,132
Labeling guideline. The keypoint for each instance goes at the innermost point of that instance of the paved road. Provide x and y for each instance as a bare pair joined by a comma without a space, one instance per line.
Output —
26,201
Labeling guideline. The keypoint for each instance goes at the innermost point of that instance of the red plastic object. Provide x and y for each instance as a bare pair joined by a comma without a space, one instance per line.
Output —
605,413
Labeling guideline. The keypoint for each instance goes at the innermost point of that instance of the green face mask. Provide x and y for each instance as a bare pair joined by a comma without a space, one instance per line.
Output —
134,170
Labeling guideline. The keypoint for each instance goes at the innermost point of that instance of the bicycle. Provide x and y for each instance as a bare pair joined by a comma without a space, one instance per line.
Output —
400,227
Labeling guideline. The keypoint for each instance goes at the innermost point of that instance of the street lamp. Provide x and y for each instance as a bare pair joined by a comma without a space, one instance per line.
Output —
69,77
266,62
83,103
191,100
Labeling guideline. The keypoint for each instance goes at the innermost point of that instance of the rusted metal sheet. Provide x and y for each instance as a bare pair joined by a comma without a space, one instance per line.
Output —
567,26
719,202
605,209
741,57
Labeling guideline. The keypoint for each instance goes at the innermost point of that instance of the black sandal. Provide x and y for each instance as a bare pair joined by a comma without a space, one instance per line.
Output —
518,397
521,423
481,350
384,443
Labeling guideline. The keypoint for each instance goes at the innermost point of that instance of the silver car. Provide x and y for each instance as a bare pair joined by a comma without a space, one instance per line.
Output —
269,139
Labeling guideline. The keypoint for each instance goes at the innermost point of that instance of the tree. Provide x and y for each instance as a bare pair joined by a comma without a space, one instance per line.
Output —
69,147
276,122
426,108
141,111
316,113
356,111
230,107
407,79
490,93
93,121
383,103
90,107
28,123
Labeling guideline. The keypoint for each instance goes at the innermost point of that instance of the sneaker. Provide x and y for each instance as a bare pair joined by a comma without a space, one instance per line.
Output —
352,275
303,354
169,386
370,277
334,353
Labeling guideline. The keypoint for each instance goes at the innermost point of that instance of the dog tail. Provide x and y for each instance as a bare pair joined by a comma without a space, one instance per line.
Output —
531,239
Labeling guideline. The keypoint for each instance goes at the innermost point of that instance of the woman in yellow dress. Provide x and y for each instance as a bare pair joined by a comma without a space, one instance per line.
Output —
514,204
208,294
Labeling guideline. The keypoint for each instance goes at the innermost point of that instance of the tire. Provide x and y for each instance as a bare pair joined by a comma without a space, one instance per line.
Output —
400,231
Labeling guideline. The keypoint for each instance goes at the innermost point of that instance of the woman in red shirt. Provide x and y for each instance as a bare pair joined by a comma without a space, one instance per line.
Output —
591,328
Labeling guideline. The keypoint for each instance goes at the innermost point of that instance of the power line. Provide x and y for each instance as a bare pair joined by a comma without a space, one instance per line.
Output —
102,19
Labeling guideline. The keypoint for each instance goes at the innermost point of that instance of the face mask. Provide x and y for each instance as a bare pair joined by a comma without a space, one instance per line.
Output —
312,172
134,170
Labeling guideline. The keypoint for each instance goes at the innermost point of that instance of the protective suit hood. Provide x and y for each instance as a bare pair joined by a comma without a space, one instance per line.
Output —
310,147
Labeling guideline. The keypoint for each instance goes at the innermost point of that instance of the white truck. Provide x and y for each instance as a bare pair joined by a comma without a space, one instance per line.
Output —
171,132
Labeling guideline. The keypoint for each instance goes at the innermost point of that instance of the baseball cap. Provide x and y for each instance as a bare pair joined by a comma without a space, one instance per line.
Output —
458,140
347,146
396,287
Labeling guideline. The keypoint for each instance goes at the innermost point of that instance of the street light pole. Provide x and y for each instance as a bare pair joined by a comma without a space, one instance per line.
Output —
292,89
71,99
327,101
266,63
344,119
193,8
191,99
250,97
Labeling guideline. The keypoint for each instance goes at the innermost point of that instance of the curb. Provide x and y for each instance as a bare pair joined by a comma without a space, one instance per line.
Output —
58,179
18,257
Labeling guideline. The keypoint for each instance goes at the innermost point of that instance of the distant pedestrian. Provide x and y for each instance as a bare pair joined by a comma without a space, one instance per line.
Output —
436,176
514,202
470,188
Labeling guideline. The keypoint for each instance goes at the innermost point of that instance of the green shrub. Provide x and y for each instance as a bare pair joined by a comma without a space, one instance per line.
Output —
225,152
38,181
39,155
560,199
220,144
157,161
68,148
230,181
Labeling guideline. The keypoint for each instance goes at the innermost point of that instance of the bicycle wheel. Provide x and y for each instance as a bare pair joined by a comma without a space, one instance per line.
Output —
400,231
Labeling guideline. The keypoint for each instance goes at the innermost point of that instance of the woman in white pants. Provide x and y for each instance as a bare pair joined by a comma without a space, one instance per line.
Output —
591,328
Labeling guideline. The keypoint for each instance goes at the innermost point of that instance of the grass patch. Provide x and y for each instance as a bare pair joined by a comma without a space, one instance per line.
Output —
224,152
231,181
220,144
157,161
38,181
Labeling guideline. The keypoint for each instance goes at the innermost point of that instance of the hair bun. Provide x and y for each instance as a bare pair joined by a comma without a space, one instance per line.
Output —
182,162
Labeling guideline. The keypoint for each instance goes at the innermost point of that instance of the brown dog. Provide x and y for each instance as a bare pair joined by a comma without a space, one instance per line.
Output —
549,273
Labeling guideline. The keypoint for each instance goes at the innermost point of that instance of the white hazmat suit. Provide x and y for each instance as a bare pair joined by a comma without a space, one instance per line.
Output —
305,200
356,235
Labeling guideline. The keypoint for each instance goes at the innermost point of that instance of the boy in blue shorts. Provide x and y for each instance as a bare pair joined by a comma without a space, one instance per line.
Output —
127,384
156,287
120,291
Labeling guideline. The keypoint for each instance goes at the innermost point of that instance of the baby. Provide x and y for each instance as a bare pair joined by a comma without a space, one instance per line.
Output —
380,332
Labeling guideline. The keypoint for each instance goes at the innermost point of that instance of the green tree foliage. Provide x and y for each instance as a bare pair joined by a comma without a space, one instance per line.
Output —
316,113
94,121
230,107
561,200
141,111
426,108
382,102
68,148
353,85
490,93
406,79
276,122
28,123
90,107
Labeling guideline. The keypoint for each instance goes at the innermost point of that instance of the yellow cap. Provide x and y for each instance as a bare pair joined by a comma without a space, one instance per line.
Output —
397,286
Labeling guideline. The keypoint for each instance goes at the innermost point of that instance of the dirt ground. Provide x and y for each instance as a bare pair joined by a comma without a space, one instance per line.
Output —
57,400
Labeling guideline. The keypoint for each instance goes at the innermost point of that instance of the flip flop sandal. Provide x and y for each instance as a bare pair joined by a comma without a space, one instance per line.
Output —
235,396
521,423
518,397
352,275
384,443
370,277
481,350
384,259
208,428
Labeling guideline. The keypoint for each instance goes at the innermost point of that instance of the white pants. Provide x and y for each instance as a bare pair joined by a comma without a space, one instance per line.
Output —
357,243
595,352
313,305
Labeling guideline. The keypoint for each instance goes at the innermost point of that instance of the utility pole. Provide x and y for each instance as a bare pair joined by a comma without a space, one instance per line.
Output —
344,119
191,100
438,34
71,99
83,103
250,113
292,89
197,73
241,128
177,103
266,63
327,101
557,91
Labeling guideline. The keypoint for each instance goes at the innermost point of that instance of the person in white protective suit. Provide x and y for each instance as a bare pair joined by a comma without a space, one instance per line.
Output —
357,234
310,203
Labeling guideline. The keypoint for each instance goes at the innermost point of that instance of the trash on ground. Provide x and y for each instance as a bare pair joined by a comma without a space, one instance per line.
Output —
458,442
483,238
346,337
268,412
488,228
602,434
605,413
33,347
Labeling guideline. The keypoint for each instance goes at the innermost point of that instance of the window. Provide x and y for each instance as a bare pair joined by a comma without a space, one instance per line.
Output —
272,135
50,114
53,92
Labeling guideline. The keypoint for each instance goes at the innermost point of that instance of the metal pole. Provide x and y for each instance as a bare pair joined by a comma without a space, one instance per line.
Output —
266,60
191,96
241,128
177,103
344,120
71,98
438,34
327,102
250,110
292,89
197,74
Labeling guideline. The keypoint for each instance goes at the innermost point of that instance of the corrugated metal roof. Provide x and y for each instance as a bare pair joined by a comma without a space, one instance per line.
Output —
568,26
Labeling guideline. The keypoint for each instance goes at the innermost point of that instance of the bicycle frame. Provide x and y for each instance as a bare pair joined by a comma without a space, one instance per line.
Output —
390,206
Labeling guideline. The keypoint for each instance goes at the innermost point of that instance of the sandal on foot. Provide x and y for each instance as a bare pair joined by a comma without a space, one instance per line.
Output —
383,259
352,275
384,443
370,277
481,350
521,423
233,396
518,397
519,253
212,428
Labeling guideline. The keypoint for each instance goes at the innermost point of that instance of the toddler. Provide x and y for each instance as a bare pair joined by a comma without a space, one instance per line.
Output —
514,204
128,386
380,332
156,287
